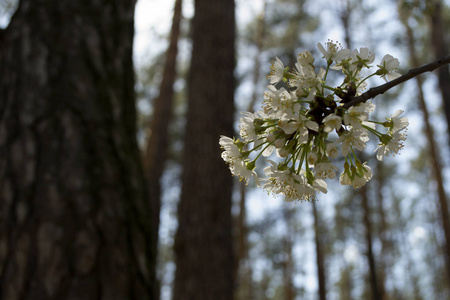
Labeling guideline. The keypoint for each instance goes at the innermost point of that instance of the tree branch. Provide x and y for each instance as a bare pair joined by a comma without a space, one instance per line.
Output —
375,91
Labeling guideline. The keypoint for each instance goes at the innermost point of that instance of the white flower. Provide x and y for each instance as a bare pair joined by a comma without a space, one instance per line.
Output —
358,114
332,122
300,123
392,142
241,169
312,158
388,67
366,107
320,185
276,101
362,58
333,52
231,150
332,150
293,186
247,128
325,170
268,151
393,145
398,124
361,177
282,152
277,71
345,179
271,137
305,58
356,138
358,178
280,142
235,160
307,79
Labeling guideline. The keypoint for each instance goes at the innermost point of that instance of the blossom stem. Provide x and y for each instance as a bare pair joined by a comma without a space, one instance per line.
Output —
259,154
329,88
373,131
365,79
375,91
326,73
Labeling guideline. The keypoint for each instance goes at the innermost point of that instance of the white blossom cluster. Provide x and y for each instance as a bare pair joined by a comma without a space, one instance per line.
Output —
305,123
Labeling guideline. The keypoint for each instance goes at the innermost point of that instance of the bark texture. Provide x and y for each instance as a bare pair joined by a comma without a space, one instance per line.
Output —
74,215
438,31
373,276
320,260
435,157
203,242
288,265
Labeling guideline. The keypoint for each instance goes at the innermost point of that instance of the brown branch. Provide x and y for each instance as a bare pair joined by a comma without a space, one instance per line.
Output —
375,91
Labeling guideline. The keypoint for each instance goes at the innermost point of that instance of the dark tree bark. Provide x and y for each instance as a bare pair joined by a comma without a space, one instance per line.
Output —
385,253
288,264
435,157
157,145
438,32
373,276
203,242
74,214
243,269
320,261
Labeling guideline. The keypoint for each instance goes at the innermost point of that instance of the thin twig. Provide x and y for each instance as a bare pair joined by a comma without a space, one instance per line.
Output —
375,91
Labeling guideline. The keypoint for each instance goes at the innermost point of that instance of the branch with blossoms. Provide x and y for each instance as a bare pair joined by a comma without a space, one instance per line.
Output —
307,123
375,91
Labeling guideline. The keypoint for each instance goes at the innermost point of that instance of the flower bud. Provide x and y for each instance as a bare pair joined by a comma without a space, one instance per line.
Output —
346,167
354,171
271,137
279,143
239,144
283,152
312,158
282,167
250,165
385,139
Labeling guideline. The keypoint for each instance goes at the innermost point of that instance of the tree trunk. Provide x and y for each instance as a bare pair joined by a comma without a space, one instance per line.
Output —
385,256
376,293
203,242
440,50
74,214
288,264
436,165
157,145
243,269
319,256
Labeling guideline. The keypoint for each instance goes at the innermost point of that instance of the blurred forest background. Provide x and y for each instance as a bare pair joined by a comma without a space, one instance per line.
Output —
111,180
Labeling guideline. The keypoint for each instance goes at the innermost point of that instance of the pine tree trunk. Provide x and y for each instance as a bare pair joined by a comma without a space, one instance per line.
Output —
374,283
203,242
157,145
438,32
243,270
74,216
319,256
288,264
384,260
435,157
